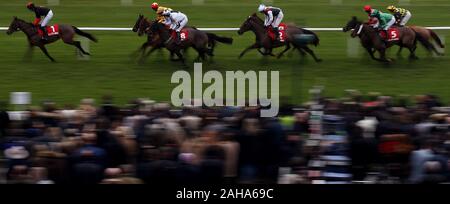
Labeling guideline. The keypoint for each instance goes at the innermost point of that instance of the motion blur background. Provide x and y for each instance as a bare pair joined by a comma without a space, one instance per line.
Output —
347,119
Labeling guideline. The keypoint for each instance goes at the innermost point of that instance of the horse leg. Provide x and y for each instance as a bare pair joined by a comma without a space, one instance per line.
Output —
172,55
151,51
201,53
288,47
371,53
28,55
145,55
311,52
399,52
180,56
141,49
412,50
44,50
300,50
383,56
251,47
270,52
261,52
77,44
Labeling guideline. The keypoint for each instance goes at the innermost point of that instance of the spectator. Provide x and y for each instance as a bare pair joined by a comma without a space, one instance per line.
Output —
148,142
4,120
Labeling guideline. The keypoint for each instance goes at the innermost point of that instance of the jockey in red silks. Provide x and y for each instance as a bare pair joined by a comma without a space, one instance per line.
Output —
40,11
273,17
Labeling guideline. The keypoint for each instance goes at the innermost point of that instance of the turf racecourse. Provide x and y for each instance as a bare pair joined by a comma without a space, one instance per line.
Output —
111,70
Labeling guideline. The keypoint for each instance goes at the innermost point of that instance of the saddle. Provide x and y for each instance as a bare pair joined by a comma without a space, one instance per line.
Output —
183,34
282,32
393,34
51,30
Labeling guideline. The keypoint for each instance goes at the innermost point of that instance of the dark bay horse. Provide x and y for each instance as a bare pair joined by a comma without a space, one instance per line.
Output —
372,41
66,33
201,41
256,25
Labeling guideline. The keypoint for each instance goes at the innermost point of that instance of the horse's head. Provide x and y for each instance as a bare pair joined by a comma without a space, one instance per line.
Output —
352,24
144,27
138,22
14,26
248,24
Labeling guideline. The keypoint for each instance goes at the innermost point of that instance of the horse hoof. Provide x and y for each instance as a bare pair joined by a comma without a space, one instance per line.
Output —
319,60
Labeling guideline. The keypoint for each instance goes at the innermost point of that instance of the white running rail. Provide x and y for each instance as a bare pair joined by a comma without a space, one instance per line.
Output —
217,29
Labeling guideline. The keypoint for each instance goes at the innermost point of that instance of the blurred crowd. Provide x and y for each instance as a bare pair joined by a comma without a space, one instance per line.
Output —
360,138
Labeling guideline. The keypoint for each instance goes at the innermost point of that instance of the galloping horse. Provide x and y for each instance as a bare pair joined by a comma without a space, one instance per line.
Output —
141,27
256,25
66,33
201,41
372,41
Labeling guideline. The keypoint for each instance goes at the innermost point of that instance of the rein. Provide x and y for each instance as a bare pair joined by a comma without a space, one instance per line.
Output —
360,29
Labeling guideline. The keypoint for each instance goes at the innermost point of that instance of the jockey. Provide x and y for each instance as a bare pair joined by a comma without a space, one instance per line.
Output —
41,11
177,21
159,11
402,15
385,20
273,17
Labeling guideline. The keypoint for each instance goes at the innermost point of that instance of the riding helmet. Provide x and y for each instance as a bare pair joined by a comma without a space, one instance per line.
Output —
155,6
30,5
261,8
391,8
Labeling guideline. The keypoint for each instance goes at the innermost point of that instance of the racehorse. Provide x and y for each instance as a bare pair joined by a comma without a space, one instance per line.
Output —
201,41
372,41
429,35
141,27
66,33
256,25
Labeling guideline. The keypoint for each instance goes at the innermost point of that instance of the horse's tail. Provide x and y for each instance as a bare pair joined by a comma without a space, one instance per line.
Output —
423,41
84,34
213,37
316,40
436,39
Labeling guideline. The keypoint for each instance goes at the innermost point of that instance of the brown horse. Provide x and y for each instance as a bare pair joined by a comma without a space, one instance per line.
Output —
66,33
256,25
372,41
429,35
201,41
141,26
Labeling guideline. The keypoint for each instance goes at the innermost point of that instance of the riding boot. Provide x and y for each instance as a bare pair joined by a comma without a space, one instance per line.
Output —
277,33
44,33
178,38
